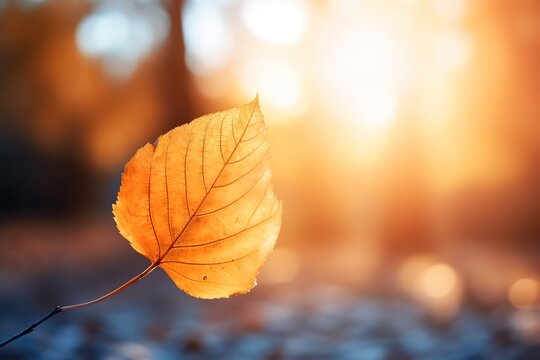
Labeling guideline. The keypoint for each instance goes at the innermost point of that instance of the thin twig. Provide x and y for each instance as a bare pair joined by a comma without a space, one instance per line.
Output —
58,309
31,328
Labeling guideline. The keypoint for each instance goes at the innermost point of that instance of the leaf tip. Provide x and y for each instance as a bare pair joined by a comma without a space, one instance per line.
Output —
255,101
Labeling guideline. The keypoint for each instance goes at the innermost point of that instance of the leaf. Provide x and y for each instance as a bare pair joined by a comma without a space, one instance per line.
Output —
200,203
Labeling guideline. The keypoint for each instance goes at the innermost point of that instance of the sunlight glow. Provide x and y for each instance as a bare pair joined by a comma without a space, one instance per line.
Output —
278,21
363,70
453,49
278,83
410,2
453,10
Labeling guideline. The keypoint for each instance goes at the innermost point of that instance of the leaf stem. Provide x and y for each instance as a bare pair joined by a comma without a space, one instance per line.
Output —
59,309
114,292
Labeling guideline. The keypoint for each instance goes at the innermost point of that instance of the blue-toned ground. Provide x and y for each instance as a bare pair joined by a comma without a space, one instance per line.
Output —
304,319
318,323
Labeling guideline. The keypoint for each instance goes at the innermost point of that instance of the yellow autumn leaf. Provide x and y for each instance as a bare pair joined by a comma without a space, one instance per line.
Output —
200,203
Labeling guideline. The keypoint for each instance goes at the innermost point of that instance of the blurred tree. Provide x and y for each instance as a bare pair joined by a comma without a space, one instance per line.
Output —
406,213
67,126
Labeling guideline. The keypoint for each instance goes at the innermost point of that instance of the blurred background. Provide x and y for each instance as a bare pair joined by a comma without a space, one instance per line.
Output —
405,142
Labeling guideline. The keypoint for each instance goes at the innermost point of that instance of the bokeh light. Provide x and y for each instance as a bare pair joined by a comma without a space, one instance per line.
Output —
526,322
209,44
439,280
122,34
524,292
434,284
411,269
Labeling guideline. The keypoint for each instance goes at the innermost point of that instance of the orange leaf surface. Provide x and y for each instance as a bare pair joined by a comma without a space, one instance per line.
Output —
200,203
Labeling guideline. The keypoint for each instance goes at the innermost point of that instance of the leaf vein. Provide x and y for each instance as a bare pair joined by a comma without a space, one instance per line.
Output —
229,236
201,281
211,263
232,130
248,155
150,204
253,137
204,198
167,190
232,202
259,162
203,154
185,175
258,204
221,139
